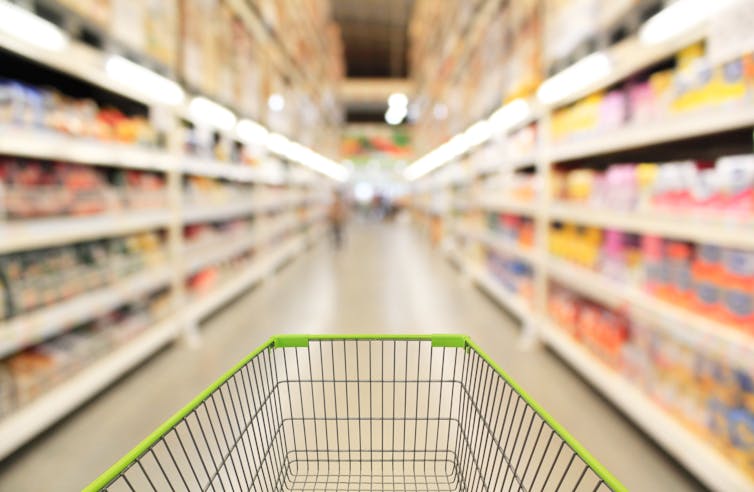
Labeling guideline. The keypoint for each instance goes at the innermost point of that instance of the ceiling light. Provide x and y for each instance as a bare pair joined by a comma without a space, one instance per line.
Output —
398,100
251,132
32,29
575,78
477,134
679,18
149,83
278,144
395,115
511,115
204,111
276,102
440,111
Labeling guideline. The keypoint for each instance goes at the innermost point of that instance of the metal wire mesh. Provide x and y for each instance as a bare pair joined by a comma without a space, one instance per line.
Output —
357,415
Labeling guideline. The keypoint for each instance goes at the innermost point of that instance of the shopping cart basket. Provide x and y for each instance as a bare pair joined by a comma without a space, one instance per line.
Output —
357,413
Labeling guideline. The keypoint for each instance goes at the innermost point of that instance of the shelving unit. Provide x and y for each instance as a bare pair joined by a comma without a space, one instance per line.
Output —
287,204
459,183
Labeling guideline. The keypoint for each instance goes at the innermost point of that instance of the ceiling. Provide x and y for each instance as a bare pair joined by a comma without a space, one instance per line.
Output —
375,35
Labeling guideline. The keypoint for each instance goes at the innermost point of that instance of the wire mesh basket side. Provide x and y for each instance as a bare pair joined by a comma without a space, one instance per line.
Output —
505,444
231,440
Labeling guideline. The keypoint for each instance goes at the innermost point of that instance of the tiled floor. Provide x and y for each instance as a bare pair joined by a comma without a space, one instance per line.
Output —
386,280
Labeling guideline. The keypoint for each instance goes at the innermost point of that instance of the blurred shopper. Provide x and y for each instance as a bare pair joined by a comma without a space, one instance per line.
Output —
337,215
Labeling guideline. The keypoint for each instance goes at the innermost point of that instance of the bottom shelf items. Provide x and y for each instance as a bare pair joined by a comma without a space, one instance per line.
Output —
43,384
705,461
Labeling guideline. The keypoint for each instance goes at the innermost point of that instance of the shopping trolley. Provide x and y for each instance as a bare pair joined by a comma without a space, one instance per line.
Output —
357,413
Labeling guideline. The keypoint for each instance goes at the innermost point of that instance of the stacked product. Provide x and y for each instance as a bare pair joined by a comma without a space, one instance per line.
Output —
715,282
33,372
514,228
512,273
708,387
694,84
27,107
686,187
38,278
34,189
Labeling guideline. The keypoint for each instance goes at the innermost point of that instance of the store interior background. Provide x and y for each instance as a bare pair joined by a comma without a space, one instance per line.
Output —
569,182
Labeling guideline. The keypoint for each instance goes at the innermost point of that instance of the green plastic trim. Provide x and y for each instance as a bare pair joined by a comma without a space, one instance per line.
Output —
456,341
284,341
123,463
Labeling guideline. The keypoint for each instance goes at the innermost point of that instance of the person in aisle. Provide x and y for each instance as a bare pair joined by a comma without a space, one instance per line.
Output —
337,217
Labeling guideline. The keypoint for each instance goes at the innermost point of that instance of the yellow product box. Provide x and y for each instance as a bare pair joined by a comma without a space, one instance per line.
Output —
97,11
162,31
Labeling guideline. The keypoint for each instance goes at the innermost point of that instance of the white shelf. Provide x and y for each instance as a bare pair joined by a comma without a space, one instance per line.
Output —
502,245
193,214
700,458
28,329
232,172
39,233
512,302
693,124
641,304
200,256
502,205
262,266
30,420
48,145
728,231
223,249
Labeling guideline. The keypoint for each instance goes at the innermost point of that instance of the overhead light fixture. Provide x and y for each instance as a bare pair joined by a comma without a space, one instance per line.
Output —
251,133
477,134
440,111
395,114
32,29
151,84
204,111
276,102
295,152
397,100
575,78
678,18
511,115
278,144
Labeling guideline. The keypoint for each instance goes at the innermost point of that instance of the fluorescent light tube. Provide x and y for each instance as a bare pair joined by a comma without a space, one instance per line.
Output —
32,29
679,18
398,100
575,78
395,114
149,83
477,134
251,132
511,115
202,110
276,102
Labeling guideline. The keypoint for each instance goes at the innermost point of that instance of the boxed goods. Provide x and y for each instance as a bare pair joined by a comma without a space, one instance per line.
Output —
686,187
38,278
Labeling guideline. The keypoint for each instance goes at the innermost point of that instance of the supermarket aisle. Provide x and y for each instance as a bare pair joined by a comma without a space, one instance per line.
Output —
386,280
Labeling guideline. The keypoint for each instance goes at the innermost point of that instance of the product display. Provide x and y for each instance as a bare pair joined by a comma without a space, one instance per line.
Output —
39,278
139,188
29,374
688,187
32,108
693,85
33,189
617,165
708,388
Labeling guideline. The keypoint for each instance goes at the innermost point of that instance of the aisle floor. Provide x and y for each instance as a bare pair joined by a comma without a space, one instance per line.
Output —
386,280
